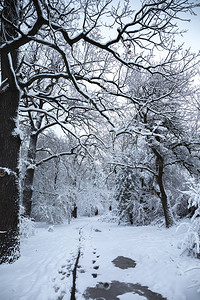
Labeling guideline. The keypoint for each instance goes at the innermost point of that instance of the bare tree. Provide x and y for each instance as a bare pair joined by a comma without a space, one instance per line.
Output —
67,29
156,111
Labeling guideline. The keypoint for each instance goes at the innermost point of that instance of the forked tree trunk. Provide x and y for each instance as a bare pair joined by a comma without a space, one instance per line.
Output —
9,146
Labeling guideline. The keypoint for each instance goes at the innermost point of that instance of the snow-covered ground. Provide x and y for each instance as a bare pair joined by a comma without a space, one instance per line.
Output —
44,270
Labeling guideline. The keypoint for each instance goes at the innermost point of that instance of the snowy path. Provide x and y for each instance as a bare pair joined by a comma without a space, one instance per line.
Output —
46,268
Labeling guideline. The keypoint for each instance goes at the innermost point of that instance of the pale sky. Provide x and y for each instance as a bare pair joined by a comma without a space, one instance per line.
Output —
192,37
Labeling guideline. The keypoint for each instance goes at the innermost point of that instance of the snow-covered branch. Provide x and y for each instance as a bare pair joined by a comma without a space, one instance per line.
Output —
136,166
57,155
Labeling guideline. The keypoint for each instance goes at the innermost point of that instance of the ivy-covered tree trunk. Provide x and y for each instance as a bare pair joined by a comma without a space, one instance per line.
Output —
9,144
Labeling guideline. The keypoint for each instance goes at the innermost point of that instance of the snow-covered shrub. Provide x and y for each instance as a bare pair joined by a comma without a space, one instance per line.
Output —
179,205
52,208
191,242
110,217
175,181
194,197
27,227
136,202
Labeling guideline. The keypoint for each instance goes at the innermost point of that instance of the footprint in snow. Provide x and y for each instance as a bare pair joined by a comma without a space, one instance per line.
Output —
61,296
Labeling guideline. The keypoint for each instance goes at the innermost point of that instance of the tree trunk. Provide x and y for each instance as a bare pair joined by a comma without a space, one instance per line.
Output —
27,190
9,190
74,211
163,196
9,145
29,176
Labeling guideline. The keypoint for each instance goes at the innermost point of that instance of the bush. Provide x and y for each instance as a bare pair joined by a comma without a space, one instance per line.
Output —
191,242
27,227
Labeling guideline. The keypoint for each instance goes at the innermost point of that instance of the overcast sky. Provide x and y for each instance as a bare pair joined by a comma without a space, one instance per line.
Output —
192,37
